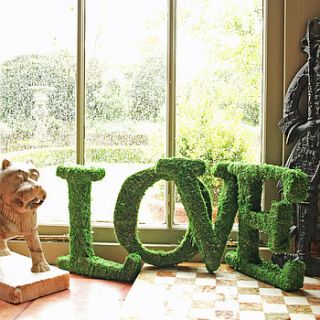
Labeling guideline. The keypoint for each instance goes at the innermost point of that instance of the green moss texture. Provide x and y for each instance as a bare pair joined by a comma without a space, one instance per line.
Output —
81,258
201,236
241,192
276,223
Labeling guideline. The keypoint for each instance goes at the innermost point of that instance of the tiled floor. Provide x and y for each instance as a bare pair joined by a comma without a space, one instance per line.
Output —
87,299
190,292
181,293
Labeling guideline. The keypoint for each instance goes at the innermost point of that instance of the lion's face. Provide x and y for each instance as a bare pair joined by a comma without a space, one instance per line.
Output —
19,187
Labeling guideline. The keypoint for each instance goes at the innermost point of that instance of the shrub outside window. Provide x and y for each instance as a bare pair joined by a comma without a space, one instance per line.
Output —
161,79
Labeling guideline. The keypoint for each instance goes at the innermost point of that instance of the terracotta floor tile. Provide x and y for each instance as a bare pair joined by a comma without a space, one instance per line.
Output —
299,309
314,300
272,299
294,293
264,285
226,315
166,274
249,306
85,300
276,316
311,286
10,311
248,290
222,282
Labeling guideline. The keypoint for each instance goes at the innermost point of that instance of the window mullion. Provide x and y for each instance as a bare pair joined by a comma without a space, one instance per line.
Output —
171,104
80,84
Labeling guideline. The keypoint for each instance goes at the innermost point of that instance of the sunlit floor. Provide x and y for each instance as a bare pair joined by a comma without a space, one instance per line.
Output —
87,299
190,292
181,293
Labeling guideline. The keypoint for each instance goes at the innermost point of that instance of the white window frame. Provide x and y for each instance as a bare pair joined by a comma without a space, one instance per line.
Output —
284,23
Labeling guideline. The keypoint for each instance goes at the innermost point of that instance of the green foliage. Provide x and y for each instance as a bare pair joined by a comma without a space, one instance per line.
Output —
106,102
275,223
55,156
20,75
200,234
290,278
99,268
214,136
46,157
219,108
23,77
242,187
147,90
124,154
81,258
126,219
236,44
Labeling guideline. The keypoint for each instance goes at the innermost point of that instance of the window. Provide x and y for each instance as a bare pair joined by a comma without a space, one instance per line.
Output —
218,83
37,86
159,78
125,98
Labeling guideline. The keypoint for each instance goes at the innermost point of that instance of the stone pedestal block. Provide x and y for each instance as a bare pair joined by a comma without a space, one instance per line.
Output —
18,284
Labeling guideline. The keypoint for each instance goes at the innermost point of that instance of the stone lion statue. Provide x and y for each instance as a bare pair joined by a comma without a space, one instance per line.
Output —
20,196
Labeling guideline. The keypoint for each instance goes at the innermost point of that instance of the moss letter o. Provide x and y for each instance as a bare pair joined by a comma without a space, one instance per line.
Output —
129,199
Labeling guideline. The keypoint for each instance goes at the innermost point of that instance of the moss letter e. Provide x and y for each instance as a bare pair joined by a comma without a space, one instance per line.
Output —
275,223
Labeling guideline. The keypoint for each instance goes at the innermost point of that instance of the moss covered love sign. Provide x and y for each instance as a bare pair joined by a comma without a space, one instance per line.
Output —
241,193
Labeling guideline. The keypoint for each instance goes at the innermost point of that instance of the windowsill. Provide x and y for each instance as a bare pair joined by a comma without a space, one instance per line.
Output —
110,251
104,232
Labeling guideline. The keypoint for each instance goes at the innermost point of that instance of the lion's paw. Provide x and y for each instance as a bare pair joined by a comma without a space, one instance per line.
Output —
42,266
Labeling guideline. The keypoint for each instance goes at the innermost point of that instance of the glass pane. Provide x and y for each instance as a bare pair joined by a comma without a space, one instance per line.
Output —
37,68
219,57
125,75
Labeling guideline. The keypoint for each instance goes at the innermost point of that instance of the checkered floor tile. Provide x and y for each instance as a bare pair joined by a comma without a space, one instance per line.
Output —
188,291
